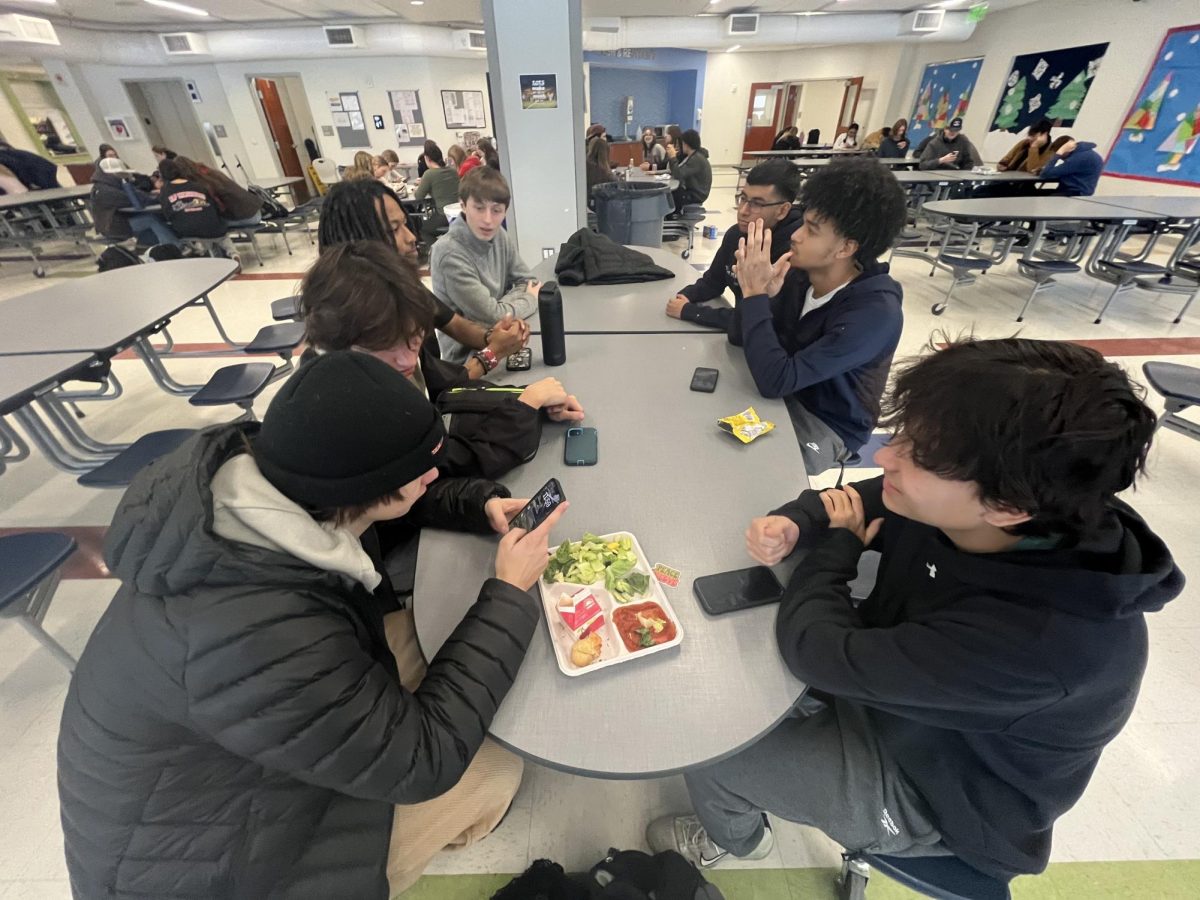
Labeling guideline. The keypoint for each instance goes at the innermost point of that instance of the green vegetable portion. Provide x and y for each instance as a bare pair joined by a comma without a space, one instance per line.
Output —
593,559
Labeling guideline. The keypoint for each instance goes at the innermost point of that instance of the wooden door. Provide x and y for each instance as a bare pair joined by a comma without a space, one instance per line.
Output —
762,116
789,108
850,106
281,133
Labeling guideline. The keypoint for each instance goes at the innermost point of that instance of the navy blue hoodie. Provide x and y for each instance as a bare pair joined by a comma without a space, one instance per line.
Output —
994,681
1077,174
834,360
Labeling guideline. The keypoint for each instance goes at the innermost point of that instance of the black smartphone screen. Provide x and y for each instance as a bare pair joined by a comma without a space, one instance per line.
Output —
741,589
544,502
704,380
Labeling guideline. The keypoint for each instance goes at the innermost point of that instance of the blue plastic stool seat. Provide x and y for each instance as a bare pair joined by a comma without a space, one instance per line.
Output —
285,309
1136,268
276,338
966,262
1054,266
239,383
1175,381
940,877
28,559
121,469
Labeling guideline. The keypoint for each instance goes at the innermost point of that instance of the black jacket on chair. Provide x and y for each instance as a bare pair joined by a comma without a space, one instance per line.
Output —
592,258
236,727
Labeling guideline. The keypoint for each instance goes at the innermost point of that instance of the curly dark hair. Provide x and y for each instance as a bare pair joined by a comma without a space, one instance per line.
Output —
1050,428
862,200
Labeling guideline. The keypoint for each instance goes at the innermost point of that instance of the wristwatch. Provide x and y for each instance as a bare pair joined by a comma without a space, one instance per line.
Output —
486,358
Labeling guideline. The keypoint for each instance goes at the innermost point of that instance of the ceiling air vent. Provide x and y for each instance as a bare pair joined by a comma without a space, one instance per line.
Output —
343,36
740,25
465,39
184,44
923,21
27,29
605,26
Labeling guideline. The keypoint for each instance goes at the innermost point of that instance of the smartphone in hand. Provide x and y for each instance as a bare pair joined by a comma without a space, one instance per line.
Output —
548,498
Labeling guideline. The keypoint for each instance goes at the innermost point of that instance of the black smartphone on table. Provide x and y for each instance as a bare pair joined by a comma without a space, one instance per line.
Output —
728,592
521,361
582,447
704,380
548,498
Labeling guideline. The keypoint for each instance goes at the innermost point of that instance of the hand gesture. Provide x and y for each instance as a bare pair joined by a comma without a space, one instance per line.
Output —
569,411
1068,148
770,538
671,151
845,510
755,272
523,556
675,306
500,509
508,336
547,392
949,158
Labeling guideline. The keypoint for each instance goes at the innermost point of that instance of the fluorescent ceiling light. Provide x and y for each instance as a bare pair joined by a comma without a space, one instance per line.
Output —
178,7
47,2
416,2
734,47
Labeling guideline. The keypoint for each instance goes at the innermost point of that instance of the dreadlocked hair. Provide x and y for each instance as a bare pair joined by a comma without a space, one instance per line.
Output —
354,211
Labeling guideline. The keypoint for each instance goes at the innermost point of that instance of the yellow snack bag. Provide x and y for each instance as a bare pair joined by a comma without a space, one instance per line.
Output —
745,426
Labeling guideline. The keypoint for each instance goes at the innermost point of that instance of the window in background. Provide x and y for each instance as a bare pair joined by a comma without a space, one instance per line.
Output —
36,104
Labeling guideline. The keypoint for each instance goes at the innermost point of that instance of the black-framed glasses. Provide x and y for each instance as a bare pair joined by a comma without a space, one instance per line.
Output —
758,205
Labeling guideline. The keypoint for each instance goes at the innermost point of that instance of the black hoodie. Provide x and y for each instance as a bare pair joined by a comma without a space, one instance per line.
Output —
993,680
719,275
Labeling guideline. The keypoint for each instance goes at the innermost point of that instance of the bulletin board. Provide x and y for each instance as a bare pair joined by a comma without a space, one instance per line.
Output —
463,109
1161,130
944,93
348,119
1050,85
409,123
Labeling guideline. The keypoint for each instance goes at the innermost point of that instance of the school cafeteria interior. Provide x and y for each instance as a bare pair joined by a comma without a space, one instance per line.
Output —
1048,153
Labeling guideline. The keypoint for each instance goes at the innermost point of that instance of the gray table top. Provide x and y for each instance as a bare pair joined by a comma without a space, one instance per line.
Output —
910,176
1048,208
638,308
33,198
1170,207
22,374
968,175
107,310
687,491
804,148
272,184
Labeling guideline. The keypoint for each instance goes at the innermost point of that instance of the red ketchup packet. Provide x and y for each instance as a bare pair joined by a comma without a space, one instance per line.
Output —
581,612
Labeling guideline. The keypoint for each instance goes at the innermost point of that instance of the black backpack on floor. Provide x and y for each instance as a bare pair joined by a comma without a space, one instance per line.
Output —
622,875
271,208
117,257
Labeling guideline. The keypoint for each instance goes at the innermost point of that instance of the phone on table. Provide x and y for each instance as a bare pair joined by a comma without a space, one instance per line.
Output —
704,380
548,498
728,592
581,448
521,361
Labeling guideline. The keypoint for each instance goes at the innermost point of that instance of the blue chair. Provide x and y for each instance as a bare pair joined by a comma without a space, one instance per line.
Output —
119,470
1180,388
939,877
286,309
30,569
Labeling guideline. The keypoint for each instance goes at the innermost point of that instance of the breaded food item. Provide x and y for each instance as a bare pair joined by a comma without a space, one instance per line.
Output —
586,650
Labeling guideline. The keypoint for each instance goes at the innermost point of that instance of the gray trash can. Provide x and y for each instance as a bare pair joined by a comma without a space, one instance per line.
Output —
631,212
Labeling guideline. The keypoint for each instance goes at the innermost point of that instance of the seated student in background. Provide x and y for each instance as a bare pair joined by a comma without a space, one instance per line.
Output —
820,324
767,198
487,153
455,157
473,159
440,183
688,163
962,707
189,208
1076,166
245,721
361,168
598,166
1031,153
368,211
950,149
895,144
788,139
475,266
394,177
31,169
848,139
873,140
236,205
421,164
654,156
10,183
161,152
112,191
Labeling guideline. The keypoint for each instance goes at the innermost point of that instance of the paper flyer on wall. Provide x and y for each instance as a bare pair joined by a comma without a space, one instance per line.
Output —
350,101
341,120
356,121
402,134
416,130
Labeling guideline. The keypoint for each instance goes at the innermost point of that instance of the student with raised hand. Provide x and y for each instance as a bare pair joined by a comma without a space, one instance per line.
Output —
767,198
244,721
820,324
368,211
962,707
476,269
688,162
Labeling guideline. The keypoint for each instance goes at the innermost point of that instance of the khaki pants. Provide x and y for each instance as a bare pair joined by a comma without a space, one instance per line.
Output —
466,812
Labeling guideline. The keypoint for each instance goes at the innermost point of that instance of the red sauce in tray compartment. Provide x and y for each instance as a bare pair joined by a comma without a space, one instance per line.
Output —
643,625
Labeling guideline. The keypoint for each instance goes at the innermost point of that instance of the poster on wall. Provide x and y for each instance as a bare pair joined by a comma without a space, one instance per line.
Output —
348,121
463,109
944,93
1158,138
407,118
119,128
1050,85
539,92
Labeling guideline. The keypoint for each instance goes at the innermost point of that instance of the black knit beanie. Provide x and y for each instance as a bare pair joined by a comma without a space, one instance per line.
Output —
346,429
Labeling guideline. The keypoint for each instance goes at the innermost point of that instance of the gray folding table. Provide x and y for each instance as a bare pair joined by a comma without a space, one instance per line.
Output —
55,213
687,491
636,308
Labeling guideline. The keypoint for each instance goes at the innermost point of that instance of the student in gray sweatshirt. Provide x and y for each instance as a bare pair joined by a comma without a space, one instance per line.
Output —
475,267
950,150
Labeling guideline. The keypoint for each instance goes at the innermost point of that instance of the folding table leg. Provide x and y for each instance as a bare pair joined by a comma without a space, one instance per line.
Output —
144,349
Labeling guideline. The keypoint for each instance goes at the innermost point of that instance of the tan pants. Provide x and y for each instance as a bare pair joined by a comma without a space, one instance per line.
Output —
466,812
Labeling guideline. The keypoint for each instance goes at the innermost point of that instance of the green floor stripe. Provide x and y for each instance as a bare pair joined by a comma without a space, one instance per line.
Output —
1155,880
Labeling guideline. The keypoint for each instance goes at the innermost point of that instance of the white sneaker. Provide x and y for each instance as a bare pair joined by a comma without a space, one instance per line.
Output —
687,837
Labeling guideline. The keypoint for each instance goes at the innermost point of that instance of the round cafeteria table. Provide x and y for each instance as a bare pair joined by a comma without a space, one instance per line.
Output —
686,490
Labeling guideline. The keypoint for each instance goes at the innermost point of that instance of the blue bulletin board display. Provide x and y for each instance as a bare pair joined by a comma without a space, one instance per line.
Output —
1049,85
1158,138
944,92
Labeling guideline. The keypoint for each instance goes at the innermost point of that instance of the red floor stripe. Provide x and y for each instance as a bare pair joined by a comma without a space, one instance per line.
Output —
1144,346
88,559
225,350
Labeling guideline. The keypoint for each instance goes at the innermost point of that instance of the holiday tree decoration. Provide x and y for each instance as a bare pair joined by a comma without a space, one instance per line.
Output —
923,103
1070,98
961,109
1181,141
1010,107
943,107
1146,115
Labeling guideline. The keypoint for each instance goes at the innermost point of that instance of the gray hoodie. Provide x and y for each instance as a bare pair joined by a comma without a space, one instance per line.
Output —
968,156
482,280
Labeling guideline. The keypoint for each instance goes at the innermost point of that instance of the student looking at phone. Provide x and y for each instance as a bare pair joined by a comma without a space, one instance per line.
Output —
950,149
245,721
767,197
820,324
475,266
963,706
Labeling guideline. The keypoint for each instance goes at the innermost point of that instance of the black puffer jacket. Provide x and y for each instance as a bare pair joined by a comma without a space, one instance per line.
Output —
107,197
236,727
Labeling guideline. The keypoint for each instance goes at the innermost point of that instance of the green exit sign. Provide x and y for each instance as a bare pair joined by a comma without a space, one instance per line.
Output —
977,12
